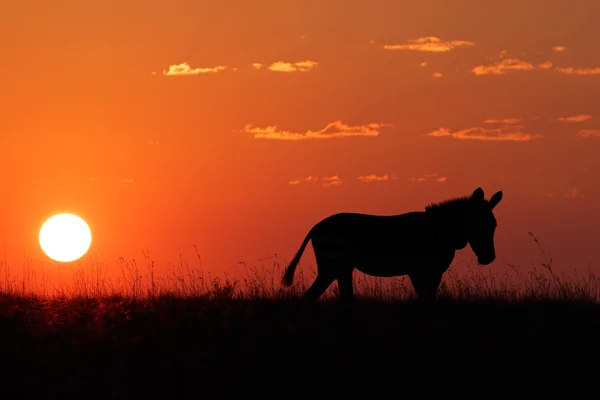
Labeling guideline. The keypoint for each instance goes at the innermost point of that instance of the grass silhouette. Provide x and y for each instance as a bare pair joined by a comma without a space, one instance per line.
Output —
190,335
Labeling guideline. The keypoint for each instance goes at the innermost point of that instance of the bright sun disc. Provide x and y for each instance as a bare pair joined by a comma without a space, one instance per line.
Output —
65,237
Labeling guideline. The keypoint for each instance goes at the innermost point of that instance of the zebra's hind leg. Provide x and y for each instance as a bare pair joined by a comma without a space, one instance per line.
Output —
345,286
318,287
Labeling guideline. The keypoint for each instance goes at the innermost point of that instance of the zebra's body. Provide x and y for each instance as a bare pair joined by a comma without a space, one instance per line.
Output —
420,244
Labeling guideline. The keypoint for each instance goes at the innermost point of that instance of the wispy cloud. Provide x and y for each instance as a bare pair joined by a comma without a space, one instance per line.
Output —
500,68
507,121
325,181
423,64
331,181
281,66
429,177
333,130
545,65
430,44
589,133
376,178
504,133
257,66
559,49
185,69
574,194
437,74
124,180
578,71
575,118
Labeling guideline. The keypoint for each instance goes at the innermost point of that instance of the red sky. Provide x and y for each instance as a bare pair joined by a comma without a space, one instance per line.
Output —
172,124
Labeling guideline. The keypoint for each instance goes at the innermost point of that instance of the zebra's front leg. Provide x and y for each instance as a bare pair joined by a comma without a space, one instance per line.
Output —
426,285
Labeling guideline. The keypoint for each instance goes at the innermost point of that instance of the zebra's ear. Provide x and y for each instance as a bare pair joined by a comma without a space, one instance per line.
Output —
478,194
495,199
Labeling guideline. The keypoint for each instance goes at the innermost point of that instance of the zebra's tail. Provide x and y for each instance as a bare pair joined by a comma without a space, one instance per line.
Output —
288,276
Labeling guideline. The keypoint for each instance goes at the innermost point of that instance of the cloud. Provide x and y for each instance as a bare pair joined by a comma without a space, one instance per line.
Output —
575,118
559,49
376,178
335,129
153,143
257,66
578,71
302,66
124,180
331,181
430,44
574,194
434,177
423,64
326,181
503,121
545,65
500,68
185,69
504,133
589,133
437,75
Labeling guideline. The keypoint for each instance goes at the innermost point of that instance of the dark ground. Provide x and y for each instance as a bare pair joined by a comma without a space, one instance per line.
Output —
186,348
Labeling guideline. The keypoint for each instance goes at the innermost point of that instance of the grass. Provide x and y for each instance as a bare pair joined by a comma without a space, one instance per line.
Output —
189,335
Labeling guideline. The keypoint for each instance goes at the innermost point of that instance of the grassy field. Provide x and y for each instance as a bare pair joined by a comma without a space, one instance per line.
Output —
487,337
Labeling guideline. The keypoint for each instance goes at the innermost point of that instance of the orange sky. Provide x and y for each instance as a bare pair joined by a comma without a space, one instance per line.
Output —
172,124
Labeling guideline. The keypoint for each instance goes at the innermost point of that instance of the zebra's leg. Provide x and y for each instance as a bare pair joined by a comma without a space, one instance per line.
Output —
426,285
318,287
345,286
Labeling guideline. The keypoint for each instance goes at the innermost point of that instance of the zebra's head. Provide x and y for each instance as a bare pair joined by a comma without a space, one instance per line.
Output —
481,226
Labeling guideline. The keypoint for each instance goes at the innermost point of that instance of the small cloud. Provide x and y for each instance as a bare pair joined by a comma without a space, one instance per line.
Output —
257,66
373,178
185,69
430,44
500,68
124,180
545,65
311,178
331,181
589,133
575,118
559,49
153,73
437,75
417,179
301,66
423,64
434,176
335,129
504,133
303,37
578,71
371,41
153,143
503,121
295,182
574,194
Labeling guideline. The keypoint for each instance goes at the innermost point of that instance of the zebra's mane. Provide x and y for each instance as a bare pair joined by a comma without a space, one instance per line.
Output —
450,205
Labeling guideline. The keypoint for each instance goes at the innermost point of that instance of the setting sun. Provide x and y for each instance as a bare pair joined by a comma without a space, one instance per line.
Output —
65,237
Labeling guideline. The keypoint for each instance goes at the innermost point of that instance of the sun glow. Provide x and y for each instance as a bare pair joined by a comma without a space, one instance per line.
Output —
65,237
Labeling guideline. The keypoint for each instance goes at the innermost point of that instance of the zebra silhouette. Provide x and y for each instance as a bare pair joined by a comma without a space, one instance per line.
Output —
420,244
